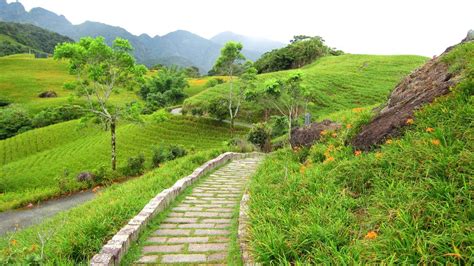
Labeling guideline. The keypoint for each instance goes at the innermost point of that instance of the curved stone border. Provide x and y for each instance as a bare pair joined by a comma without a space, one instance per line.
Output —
112,252
242,235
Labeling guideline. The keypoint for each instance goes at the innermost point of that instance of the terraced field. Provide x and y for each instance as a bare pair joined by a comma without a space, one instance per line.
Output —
335,83
31,162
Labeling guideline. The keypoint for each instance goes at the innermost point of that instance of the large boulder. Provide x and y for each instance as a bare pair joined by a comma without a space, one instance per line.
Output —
419,88
48,94
306,136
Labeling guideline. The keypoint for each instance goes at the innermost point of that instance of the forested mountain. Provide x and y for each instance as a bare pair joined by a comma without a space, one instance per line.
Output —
181,48
23,38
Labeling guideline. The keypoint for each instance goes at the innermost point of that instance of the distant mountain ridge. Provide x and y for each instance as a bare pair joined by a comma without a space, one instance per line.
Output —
181,47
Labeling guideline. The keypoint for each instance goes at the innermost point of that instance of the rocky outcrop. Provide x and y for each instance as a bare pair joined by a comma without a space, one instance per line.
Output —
48,94
308,135
419,88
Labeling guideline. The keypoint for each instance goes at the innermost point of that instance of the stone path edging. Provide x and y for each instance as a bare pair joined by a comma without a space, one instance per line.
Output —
242,234
112,252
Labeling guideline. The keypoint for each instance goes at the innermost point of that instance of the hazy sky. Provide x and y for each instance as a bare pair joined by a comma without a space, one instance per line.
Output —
424,27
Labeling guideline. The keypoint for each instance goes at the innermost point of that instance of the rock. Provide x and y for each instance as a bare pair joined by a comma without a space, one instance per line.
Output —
469,37
419,88
48,94
306,136
85,177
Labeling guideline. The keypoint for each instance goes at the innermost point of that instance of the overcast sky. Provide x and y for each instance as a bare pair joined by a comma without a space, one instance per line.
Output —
424,27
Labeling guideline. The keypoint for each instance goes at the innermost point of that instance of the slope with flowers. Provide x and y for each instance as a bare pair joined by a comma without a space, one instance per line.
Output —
409,201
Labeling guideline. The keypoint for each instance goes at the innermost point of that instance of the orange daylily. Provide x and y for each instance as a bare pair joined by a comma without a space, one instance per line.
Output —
13,242
357,110
435,142
410,121
334,134
388,141
348,126
429,129
323,133
329,159
371,235
378,155
357,153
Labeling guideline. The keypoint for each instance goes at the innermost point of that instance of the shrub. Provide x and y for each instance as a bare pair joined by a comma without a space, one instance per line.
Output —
85,177
213,82
197,111
13,120
279,125
69,85
159,156
135,165
218,108
176,152
160,116
241,145
259,135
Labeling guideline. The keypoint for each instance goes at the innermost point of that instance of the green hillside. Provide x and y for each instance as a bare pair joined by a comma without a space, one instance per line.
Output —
23,78
336,82
32,161
409,202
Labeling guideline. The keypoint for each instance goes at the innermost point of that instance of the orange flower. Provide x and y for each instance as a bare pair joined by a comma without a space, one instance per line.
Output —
34,247
435,142
371,235
323,133
429,129
334,134
357,153
378,155
388,141
329,159
357,110
13,242
348,126
410,121
302,169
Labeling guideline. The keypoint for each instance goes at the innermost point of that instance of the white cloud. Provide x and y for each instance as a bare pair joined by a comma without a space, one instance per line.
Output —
364,26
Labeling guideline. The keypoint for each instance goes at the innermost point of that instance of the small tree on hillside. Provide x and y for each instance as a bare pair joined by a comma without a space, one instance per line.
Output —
286,96
230,64
100,69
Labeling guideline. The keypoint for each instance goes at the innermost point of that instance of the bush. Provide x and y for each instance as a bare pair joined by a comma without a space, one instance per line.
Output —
218,108
176,152
240,145
4,102
55,115
13,120
160,116
135,165
279,126
213,82
159,156
85,177
260,135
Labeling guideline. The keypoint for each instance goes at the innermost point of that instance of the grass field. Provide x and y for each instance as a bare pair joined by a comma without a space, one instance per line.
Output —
23,77
31,162
336,82
198,85
409,202
74,236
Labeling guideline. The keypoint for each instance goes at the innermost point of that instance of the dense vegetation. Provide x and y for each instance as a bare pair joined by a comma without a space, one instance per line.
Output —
409,202
301,51
334,83
44,162
18,38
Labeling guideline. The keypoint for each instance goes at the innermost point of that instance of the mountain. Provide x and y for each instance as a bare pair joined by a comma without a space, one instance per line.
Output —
180,48
23,38
255,44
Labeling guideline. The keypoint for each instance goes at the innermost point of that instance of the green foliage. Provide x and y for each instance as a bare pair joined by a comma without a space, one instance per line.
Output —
301,51
160,155
53,115
279,126
164,89
74,236
135,165
192,72
13,120
409,202
259,135
219,109
160,116
213,82
240,145
230,59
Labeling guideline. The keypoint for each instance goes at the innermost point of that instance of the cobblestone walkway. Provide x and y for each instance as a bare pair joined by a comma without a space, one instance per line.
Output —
197,230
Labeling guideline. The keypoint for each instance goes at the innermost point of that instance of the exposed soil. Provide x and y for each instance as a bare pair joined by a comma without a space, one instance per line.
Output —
419,88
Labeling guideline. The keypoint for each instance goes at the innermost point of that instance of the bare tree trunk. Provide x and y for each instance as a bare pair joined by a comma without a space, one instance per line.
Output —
289,126
112,133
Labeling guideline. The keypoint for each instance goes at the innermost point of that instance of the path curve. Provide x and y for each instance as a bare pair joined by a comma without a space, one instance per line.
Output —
179,111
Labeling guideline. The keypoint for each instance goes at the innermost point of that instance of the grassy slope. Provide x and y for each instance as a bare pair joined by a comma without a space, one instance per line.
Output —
31,161
76,235
408,203
24,77
338,82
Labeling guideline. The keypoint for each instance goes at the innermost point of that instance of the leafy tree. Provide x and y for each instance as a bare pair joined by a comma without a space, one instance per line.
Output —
192,72
230,63
164,88
100,70
286,96
13,120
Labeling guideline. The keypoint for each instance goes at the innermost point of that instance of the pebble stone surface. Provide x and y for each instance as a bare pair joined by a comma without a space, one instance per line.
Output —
197,230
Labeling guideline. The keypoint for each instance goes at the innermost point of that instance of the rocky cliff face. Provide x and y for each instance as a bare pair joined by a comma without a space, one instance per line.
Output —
419,88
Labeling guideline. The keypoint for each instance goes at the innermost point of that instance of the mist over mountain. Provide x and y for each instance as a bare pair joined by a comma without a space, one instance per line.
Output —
180,48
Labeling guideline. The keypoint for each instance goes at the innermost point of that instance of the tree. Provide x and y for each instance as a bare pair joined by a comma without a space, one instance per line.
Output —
100,70
229,63
286,96
192,72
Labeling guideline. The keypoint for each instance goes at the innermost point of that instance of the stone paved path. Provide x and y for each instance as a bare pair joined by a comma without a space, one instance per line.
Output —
197,229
